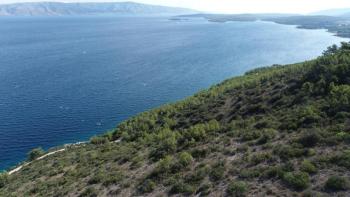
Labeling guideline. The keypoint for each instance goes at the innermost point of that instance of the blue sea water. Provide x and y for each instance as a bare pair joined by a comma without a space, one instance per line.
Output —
64,79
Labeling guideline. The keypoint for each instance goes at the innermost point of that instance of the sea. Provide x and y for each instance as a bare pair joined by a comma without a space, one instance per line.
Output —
65,79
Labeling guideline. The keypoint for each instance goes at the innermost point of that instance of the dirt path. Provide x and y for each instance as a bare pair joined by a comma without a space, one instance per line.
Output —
51,153
39,158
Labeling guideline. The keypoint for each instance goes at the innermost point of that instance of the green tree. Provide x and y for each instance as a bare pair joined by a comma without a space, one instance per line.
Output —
35,153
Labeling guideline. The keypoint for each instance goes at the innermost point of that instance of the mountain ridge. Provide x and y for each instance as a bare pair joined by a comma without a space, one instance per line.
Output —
63,9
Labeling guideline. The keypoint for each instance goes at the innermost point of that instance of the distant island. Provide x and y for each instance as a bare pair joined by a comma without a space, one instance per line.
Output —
71,9
339,25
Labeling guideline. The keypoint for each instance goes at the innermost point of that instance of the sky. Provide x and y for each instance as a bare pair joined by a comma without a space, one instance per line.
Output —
234,6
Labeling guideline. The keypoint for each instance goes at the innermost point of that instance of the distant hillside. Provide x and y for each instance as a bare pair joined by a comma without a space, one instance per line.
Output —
276,131
333,12
60,9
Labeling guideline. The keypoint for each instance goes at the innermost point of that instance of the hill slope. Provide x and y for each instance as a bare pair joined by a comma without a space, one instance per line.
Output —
276,131
59,9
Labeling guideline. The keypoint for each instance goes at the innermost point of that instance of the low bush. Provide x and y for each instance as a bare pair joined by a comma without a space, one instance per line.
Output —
97,178
113,179
307,166
217,171
237,189
164,166
147,186
297,180
336,183
274,171
342,159
200,152
309,138
181,187
248,135
287,152
259,158
185,159
199,174
204,189
249,173
267,135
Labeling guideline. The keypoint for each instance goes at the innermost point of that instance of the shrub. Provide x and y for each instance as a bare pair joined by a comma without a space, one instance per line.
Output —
199,174
268,134
147,186
97,140
248,135
286,152
164,165
113,178
165,143
342,159
308,115
249,173
340,97
336,183
204,189
343,136
217,171
274,171
237,189
307,166
310,193
185,159
309,138
35,153
297,180
259,158
200,152
97,178
181,187
243,148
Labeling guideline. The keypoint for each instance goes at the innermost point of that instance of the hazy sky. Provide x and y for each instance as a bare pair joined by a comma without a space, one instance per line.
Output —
235,6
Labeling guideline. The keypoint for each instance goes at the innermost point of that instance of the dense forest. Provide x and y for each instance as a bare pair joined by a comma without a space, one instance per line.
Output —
275,131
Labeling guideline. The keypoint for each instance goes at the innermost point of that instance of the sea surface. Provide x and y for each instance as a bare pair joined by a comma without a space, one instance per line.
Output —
65,79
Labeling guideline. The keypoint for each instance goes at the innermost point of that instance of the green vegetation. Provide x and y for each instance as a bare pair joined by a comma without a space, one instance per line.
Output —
35,153
275,131
3,179
297,180
336,183
237,189
308,167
